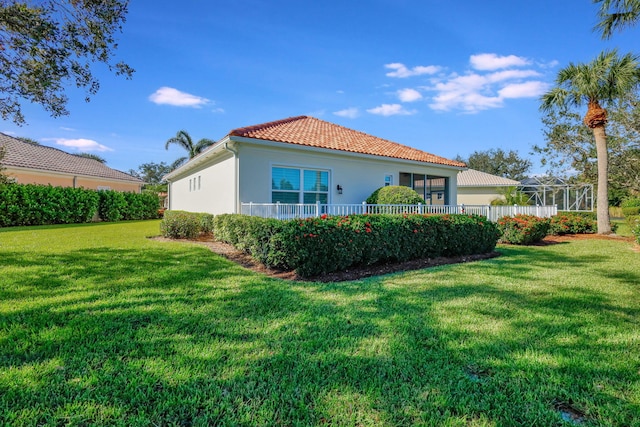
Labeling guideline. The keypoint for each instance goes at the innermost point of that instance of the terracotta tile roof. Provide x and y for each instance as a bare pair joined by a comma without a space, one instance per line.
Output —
312,132
24,155
474,178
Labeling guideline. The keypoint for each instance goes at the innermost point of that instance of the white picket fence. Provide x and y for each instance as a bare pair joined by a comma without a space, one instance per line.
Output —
300,210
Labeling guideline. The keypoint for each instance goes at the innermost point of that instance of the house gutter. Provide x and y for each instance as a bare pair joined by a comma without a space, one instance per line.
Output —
236,173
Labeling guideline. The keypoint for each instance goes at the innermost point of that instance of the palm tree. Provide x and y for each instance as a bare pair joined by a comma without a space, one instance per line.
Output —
605,80
183,139
616,15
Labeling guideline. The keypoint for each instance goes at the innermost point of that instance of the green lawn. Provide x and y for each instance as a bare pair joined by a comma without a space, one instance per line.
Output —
101,326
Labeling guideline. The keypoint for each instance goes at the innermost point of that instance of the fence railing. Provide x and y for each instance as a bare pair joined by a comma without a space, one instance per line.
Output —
304,210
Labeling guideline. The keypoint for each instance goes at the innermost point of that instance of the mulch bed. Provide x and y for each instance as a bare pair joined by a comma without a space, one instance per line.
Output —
360,272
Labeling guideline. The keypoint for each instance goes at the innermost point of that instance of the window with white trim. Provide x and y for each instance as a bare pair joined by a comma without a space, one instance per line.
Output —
430,188
388,180
299,185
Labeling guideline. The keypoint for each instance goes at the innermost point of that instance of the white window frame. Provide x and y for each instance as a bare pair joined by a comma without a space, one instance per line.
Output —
301,170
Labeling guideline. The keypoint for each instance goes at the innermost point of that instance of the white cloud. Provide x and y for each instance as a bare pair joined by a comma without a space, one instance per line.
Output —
491,61
402,71
409,95
350,113
218,110
487,83
531,89
170,96
80,144
67,129
390,110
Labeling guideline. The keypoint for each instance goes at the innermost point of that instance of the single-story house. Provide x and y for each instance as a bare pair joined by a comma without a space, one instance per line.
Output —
480,188
28,163
305,160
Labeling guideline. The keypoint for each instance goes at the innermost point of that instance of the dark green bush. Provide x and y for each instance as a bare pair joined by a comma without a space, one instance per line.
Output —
29,204
324,244
185,225
111,206
373,198
573,223
205,223
398,195
523,229
180,225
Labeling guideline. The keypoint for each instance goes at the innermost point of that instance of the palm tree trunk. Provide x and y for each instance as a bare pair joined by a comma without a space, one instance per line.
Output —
602,201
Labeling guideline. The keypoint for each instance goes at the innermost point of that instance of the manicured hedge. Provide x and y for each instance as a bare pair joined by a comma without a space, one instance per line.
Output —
185,225
29,204
523,229
314,246
573,223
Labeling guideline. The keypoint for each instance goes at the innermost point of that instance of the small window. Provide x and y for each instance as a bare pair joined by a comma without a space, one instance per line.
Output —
388,180
199,182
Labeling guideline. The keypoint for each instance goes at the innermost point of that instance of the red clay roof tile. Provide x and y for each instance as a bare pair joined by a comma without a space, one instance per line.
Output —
312,132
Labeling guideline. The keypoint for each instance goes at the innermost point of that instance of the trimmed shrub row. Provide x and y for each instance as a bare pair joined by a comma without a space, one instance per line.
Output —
185,225
573,223
528,229
315,246
523,229
29,204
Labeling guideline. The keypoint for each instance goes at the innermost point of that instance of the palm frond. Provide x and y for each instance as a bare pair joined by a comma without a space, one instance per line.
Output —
616,15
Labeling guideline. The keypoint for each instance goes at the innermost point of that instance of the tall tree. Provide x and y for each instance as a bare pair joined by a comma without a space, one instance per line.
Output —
498,162
151,173
570,152
45,44
604,81
615,15
184,140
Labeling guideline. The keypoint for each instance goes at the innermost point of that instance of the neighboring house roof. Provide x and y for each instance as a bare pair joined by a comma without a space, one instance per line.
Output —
474,178
22,154
312,132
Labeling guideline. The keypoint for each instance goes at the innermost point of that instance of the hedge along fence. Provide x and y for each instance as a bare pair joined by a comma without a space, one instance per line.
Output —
315,246
30,204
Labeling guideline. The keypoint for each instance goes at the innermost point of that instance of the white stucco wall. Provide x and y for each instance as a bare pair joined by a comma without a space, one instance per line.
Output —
358,175
212,187
477,195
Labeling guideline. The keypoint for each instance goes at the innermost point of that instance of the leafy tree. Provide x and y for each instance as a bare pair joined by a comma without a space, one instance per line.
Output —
151,173
184,140
92,156
498,162
48,43
616,15
607,79
570,150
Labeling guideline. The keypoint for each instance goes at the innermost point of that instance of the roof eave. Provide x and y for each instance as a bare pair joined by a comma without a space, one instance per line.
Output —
266,142
197,160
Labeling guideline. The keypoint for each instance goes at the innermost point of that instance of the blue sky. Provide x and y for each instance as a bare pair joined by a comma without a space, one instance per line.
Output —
446,76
